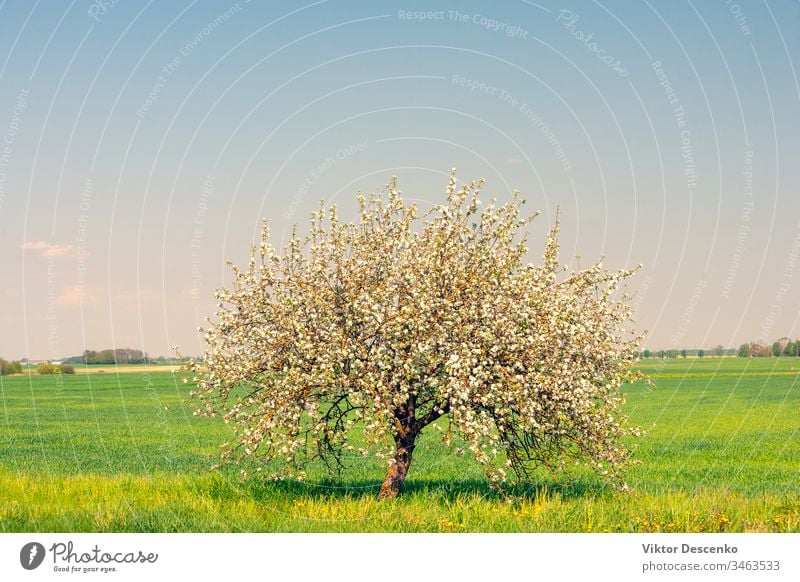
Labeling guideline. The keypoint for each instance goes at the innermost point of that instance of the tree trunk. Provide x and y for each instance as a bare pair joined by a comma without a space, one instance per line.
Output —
397,473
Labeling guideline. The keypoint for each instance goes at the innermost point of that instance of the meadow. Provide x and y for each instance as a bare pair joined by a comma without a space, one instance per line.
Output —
121,451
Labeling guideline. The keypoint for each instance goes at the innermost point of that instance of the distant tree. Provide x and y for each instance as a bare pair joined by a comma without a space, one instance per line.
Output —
647,353
7,368
701,353
792,349
777,351
47,369
683,354
719,351
744,351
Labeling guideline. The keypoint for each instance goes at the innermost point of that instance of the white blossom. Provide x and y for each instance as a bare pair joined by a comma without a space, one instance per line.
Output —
360,334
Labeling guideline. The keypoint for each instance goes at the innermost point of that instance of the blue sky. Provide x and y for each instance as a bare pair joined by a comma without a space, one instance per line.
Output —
142,143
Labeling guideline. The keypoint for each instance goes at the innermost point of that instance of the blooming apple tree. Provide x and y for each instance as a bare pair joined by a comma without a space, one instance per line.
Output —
358,336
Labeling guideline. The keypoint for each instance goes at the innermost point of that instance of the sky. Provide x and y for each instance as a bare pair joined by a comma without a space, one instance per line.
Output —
142,143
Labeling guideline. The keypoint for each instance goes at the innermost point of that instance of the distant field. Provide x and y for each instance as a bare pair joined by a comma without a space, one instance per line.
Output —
121,369
728,365
121,451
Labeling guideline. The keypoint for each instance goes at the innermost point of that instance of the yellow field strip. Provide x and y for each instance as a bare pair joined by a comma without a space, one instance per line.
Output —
722,374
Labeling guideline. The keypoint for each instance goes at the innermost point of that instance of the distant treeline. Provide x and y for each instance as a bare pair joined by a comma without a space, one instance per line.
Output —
781,348
7,368
118,356
115,356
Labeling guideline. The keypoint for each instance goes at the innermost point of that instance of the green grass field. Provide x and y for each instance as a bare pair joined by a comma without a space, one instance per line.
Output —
122,452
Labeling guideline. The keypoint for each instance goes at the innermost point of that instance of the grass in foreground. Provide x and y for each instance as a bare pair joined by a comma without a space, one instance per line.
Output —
210,503
121,452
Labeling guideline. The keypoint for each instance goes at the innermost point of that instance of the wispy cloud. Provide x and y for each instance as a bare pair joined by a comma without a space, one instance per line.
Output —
513,162
44,249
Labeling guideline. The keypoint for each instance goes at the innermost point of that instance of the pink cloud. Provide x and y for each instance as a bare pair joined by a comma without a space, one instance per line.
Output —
44,249
513,162
76,295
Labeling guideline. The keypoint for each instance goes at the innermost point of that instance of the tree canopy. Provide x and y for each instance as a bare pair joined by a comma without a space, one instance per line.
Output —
360,335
